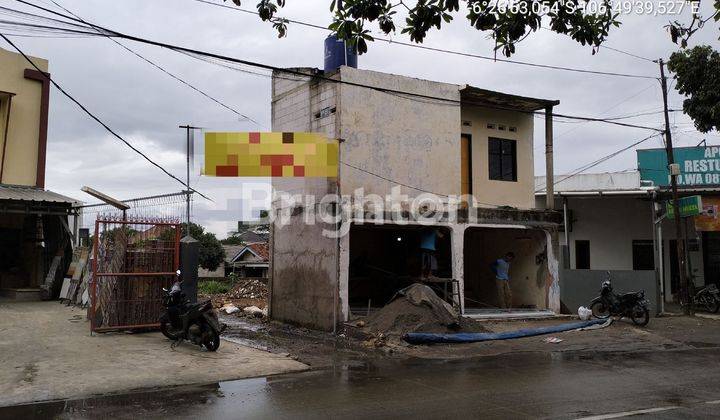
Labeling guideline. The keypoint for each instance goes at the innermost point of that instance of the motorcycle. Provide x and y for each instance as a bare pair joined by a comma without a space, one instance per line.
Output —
632,305
195,322
708,298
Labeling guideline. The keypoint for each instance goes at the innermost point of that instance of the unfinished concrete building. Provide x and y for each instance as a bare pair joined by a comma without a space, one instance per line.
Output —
400,134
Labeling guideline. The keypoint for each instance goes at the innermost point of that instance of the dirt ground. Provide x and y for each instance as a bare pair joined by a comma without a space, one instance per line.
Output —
47,353
319,349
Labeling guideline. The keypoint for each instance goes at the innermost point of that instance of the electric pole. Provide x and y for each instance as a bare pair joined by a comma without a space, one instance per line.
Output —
189,153
674,171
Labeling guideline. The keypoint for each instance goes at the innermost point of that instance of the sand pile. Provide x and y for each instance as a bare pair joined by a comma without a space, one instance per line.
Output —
416,309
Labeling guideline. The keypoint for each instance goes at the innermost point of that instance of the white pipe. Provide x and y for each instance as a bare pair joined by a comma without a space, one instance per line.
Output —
657,224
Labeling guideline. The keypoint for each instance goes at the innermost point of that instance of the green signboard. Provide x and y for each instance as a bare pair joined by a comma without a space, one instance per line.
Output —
689,206
699,166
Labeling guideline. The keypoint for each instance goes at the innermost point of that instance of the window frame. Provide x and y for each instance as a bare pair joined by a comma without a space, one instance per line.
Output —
498,174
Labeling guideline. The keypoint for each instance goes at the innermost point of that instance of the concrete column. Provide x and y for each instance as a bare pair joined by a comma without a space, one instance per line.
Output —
343,278
458,261
553,280
189,263
549,176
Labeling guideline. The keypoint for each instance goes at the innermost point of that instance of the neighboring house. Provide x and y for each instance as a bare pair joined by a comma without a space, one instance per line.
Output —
253,236
473,141
616,222
610,228
250,260
34,227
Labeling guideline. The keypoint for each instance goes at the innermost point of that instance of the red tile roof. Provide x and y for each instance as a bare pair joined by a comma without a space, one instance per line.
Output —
261,249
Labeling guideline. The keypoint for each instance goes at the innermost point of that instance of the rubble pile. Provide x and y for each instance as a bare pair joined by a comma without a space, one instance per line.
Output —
250,293
249,289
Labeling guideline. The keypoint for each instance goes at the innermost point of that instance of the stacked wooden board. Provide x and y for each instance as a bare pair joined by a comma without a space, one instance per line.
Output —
77,279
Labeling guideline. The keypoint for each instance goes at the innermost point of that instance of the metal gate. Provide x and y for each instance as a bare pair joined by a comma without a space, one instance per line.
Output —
134,259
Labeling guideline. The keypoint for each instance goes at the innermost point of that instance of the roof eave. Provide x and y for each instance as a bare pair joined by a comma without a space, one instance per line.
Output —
482,97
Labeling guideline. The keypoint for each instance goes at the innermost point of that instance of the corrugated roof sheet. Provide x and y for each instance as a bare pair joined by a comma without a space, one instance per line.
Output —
23,193
608,181
470,94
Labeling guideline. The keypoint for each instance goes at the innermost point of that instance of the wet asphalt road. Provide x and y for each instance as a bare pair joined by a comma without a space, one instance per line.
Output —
665,384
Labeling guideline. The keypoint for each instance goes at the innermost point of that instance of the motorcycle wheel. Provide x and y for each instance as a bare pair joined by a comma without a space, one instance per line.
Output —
599,310
212,343
167,330
714,306
640,316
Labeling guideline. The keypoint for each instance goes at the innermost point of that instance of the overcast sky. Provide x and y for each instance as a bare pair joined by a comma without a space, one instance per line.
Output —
146,106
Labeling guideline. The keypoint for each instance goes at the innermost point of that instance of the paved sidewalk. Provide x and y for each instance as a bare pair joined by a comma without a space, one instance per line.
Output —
47,352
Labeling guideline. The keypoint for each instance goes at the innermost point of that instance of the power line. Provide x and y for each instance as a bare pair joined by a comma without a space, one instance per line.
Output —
322,77
627,53
595,163
445,51
157,66
413,187
105,126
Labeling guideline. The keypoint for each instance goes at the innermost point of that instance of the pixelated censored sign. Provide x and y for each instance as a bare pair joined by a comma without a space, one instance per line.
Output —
270,155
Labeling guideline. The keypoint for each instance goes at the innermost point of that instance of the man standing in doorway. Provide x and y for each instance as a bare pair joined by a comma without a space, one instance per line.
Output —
501,267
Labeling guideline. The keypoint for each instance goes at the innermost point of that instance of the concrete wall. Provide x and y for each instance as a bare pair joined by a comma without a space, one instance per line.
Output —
22,138
610,223
516,194
296,100
579,287
414,142
304,272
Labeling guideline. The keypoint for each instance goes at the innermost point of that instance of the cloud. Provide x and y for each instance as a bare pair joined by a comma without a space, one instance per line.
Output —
146,106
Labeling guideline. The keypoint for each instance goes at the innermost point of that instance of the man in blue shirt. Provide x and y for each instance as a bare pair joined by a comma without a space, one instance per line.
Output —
428,239
501,268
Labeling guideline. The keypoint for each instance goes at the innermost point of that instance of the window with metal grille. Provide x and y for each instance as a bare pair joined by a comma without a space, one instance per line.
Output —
502,157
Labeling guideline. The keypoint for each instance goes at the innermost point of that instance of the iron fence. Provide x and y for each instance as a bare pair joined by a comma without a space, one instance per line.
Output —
134,259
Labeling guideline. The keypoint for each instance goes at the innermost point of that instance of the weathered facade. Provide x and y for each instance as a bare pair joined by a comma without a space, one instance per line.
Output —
35,235
615,223
452,141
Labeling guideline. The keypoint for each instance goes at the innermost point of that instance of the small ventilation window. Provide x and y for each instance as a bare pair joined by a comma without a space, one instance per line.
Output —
501,127
491,126
467,124
512,129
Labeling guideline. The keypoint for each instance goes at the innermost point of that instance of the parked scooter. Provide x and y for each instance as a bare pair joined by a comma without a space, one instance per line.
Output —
183,320
708,298
632,305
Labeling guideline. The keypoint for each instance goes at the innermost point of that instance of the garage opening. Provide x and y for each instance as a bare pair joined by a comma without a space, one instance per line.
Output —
387,258
28,246
526,289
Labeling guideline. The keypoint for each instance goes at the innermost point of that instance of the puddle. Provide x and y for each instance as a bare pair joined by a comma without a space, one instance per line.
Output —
241,324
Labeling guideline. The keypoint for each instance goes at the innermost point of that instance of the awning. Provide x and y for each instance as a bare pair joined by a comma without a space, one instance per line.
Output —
477,96
32,194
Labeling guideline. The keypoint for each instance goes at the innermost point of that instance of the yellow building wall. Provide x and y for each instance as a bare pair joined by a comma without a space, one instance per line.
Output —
21,145
519,194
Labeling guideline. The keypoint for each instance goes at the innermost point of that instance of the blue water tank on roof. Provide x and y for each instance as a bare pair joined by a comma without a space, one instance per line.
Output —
339,53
